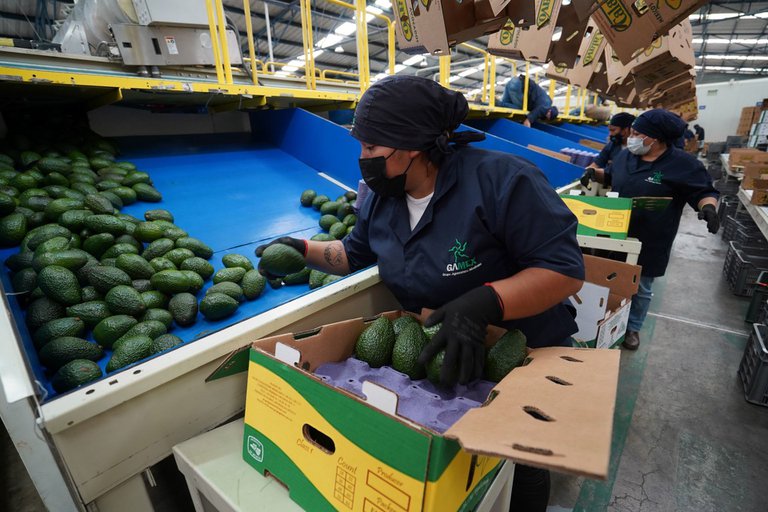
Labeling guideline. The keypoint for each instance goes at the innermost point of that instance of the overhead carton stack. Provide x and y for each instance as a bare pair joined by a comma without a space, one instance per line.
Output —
532,43
590,63
749,116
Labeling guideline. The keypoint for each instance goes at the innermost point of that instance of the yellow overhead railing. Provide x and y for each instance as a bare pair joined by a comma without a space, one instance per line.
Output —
249,34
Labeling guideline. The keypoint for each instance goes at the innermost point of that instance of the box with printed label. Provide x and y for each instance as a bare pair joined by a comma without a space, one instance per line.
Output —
434,26
603,303
587,62
630,26
666,57
531,43
744,156
600,216
335,449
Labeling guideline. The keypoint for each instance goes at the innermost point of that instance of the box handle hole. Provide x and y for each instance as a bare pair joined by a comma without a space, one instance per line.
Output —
319,439
558,380
533,449
571,359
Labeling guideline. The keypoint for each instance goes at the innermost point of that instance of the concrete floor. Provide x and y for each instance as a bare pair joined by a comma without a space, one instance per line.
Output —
684,437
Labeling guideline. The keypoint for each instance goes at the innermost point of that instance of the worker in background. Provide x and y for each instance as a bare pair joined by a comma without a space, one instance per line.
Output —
653,167
618,132
539,103
699,133
479,236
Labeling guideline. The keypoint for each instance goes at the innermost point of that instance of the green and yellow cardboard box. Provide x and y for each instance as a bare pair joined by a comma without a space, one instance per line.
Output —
602,305
600,216
336,451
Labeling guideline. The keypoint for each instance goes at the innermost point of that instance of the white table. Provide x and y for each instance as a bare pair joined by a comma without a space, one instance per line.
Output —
630,246
220,480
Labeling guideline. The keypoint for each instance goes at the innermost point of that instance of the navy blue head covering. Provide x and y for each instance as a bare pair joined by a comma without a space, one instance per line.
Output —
411,112
553,113
622,120
660,124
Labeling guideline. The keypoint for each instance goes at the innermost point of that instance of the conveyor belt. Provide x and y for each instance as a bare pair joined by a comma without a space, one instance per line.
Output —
565,133
519,134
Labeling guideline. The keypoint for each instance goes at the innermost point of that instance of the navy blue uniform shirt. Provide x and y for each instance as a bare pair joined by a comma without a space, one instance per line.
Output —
607,154
492,215
674,174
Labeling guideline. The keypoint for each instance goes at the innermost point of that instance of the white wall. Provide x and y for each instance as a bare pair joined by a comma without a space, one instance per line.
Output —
720,105
112,121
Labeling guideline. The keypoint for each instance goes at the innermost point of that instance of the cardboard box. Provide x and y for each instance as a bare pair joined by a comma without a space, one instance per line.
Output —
752,173
437,25
600,216
603,303
587,62
742,156
631,26
759,197
665,58
528,43
333,449
676,95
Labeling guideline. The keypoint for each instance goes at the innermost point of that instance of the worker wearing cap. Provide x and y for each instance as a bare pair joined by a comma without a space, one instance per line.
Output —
618,131
653,167
479,236
539,103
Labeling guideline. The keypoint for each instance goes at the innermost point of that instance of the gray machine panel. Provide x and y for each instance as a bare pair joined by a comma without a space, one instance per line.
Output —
169,46
171,12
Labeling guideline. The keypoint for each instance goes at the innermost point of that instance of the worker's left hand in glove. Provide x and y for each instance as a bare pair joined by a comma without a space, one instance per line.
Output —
589,175
464,322
709,214
297,243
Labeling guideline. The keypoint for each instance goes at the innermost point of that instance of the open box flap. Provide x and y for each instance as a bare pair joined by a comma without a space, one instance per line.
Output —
574,389
621,278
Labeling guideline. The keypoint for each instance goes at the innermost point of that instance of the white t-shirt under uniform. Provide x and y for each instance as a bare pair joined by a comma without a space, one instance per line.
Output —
416,208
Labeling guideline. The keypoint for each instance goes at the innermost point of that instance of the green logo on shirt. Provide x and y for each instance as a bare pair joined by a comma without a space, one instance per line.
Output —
656,178
462,262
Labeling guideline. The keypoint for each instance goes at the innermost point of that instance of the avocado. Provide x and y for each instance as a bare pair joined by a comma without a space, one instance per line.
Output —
61,351
134,177
145,192
125,300
99,204
196,281
74,374
7,204
351,195
141,285
196,246
216,306
198,265
281,260
174,233
72,259
158,248
55,244
434,367
165,342
24,281
59,206
44,233
329,207
158,214
227,288
323,237
150,328
118,249
56,329
326,221
162,263
59,284
402,322
135,266
131,350
316,278
127,195
172,281
300,277
13,228
237,260
104,278
177,256
253,284
350,220
343,210
148,231
42,311
74,220
405,353
160,315
105,224
234,274
20,261
431,331
330,278
318,201
89,293
307,197
338,230
375,343
154,299
507,353
112,328
91,312
98,244
183,308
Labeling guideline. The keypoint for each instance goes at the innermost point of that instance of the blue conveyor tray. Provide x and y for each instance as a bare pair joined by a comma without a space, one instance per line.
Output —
520,134
232,193
564,132
587,129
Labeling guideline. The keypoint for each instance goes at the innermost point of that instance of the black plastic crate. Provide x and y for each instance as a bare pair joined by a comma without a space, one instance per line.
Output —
742,268
753,370
734,222
726,186
749,236
727,206
758,305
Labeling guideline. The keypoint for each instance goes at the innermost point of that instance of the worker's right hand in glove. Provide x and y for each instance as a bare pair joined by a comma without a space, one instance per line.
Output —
297,243
589,175
464,322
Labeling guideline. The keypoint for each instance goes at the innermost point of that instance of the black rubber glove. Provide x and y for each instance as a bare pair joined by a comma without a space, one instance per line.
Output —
462,334
589,175
709,214
297,243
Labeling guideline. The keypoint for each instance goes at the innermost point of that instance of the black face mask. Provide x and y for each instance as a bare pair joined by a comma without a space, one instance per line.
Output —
617,139
374,171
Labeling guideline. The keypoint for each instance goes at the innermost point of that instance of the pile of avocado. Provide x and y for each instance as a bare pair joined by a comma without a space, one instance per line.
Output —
337,221
398,344
92,278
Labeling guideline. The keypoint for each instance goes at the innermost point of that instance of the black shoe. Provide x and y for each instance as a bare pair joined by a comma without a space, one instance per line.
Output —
631,340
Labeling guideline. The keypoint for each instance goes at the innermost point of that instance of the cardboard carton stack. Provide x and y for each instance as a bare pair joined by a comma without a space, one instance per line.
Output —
749,116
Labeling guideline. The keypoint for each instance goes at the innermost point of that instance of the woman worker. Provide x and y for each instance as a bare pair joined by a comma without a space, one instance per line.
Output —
479,236
653,167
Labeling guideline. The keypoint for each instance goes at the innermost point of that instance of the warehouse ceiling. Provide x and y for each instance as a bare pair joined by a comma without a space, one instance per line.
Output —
730,38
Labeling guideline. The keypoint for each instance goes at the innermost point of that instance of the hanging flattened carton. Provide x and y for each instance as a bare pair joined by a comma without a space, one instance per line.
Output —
531,43
665,58
630,26
434,26
587,61
334,449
